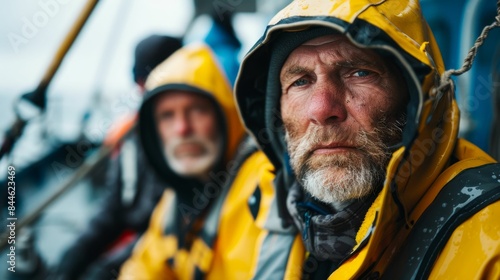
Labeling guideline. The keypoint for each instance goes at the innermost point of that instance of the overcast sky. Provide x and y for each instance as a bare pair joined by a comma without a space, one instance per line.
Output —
31,31
101,58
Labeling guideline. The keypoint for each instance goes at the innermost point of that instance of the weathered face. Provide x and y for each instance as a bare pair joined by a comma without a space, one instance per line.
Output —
187,125
342,107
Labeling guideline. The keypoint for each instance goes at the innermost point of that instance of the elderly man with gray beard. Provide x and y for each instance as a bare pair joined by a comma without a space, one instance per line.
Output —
344,98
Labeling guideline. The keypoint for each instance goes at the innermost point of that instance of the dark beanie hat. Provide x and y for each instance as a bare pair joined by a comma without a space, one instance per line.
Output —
150,52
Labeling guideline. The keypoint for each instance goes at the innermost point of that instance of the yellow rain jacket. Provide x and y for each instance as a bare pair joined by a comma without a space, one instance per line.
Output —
209,231
438,214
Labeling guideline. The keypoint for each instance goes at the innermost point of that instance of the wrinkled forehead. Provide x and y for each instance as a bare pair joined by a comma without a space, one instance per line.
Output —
334,42
326,39
334,47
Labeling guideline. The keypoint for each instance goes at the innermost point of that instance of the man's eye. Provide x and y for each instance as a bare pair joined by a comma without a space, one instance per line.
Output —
300,82
166,115
200,109
361,73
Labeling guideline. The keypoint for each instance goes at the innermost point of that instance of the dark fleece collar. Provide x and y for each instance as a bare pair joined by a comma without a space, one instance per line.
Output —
327,234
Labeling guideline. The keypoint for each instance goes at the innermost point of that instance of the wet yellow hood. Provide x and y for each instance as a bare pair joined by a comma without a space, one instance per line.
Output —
400,20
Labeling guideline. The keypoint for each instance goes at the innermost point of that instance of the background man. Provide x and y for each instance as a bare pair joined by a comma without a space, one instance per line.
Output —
190,131
341,96
213,220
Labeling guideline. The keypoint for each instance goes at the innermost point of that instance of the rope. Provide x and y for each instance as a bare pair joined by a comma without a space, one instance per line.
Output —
445,81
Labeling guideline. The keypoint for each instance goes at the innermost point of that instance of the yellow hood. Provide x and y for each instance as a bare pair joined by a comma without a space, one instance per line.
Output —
397,30
394,28
192,68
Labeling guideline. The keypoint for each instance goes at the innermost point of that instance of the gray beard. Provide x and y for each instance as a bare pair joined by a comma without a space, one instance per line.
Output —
335,185
340,178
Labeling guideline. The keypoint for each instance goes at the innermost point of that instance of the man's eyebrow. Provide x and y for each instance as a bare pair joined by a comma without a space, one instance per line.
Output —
295,70
353,63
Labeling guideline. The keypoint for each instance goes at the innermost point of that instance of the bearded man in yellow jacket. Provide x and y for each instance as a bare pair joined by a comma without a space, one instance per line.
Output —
206,224
345,99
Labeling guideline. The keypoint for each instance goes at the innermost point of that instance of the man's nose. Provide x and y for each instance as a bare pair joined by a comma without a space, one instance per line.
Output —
182,125
327,104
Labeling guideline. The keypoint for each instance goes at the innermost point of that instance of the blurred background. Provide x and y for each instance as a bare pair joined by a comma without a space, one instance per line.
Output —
93,89
91,92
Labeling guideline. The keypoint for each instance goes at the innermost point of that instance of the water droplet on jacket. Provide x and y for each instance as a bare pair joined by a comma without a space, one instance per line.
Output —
252,200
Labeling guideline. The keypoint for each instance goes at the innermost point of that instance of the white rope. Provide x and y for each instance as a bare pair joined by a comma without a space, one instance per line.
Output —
445,81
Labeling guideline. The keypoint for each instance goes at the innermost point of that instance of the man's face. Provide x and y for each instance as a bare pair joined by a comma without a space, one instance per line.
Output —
187,124
342,107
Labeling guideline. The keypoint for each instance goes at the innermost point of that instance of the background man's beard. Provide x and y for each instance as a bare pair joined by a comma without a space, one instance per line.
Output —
194,166
341,177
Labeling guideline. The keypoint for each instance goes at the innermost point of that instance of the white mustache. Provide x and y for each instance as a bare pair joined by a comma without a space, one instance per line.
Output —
316,136
191,140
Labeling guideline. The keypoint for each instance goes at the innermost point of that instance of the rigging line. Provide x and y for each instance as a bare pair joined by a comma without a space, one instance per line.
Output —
117,28
38,96
68,41
469,59
89,166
